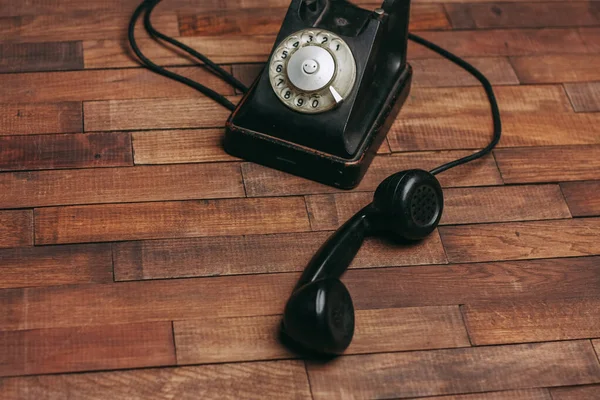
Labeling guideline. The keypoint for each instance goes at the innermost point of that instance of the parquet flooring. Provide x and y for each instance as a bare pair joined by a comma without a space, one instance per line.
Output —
139,261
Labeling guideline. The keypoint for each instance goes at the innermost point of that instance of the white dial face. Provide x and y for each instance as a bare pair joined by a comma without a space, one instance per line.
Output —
312,71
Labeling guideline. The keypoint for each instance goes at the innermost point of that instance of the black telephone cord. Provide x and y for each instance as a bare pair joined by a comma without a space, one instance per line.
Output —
148,6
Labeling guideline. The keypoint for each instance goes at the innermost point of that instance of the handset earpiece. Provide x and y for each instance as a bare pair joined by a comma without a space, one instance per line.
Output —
319,316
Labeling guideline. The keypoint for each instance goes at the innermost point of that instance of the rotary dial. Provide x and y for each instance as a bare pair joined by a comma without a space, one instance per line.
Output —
312,71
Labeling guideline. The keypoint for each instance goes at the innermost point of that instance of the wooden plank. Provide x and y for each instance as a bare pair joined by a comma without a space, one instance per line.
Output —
549,164
524,394
400,375
535,321
474,283
27,57
425,102
441,73
523,15
16,228
279,379
262,181
148,301
179,146
585,96
257,338
461,206
502,42
591,392
435,72
140,114
134,221
116,185
583,198
65,151
25,119
474,129
266,294
158,259
115,53
78,25
267,20
521,240
114,84
557,68
56,265
591,37
86,348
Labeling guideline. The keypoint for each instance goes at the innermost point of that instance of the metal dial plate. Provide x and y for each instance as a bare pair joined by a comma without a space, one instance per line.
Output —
312,71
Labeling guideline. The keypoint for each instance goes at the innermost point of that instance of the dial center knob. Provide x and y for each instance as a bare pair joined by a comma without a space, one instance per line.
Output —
311,68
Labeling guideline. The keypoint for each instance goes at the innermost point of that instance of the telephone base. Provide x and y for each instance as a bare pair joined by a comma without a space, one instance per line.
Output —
313,164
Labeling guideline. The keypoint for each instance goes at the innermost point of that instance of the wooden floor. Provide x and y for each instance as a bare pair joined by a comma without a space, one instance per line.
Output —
139,261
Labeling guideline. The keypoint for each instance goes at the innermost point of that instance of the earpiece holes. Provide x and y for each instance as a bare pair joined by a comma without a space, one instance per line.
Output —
424,206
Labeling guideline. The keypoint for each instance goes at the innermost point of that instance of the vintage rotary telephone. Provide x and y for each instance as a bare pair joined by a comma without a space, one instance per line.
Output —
334,83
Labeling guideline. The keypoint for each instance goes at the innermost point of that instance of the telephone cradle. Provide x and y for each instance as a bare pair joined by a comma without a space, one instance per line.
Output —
333,86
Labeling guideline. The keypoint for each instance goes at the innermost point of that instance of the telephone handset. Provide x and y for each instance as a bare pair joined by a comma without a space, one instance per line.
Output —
334,83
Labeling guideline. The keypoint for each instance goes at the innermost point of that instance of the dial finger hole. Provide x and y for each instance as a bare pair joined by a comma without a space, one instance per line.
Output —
278,67
323,38
293,42
300,101
307,37
279,81
283,54
286,93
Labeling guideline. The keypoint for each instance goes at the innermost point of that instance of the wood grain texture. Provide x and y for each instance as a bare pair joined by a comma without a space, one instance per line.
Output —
149,301
86,348
27,57
461,206
78,25
267,20
257,338
16,228
239,49
179,146
590,392
239,296
474,283
473,130
113,84
585,96
252,254
56,265
134,221
591,38
536,321
26,119
502,42
431,72
524,394
524,15
438,73
402,375
279,379
262,181
583,198
34,152
140,114
119,185
549,164
556,68
521,240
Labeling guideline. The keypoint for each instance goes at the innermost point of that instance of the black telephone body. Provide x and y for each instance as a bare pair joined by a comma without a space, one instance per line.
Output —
334,84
